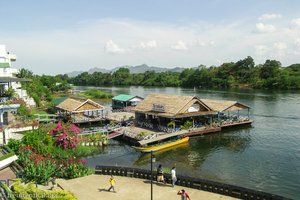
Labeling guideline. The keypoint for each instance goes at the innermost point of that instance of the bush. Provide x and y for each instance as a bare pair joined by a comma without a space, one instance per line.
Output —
30,192
96,94
14,145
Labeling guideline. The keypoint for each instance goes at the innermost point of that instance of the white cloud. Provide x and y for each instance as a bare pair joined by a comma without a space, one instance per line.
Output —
180,45
297,42
202,43
269,16
280,46
261,50
126,38
265,28
113,48
295,22
148,45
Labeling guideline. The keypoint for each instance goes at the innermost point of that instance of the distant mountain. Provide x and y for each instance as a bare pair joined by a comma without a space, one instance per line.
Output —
143,68
96,69
74,73
133,69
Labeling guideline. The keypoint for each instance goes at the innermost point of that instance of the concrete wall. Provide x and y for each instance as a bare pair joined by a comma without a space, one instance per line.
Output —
6,162
13,133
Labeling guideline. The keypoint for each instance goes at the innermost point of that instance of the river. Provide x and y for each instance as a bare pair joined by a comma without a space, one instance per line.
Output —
263,157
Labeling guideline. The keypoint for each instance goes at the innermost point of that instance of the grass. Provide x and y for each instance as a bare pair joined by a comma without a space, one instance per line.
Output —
37,111
96,94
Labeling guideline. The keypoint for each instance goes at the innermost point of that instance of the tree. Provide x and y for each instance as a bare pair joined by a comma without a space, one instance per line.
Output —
121,77
24,73
269,69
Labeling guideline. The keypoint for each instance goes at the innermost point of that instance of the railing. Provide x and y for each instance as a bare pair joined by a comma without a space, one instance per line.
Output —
195,183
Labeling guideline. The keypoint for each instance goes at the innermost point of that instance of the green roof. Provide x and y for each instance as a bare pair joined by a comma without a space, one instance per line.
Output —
123,97
4,65
59,100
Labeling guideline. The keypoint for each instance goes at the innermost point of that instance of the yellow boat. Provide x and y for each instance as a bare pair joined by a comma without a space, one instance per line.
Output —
162,146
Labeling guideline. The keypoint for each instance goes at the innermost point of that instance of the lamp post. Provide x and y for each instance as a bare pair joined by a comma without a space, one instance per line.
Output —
152,160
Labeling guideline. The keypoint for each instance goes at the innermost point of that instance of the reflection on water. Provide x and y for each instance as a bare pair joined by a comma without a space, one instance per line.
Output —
264,157
144,158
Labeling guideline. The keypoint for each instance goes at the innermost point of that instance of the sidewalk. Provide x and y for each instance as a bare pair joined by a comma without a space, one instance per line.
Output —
95,187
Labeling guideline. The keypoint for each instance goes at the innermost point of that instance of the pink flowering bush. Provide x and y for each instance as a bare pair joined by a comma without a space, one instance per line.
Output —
40,168
66,136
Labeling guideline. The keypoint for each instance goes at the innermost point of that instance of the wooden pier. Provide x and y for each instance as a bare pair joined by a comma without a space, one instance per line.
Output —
161,137
154,137
202,131
115,134
248,122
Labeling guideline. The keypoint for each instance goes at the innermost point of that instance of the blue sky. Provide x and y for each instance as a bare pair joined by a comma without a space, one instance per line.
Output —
51,37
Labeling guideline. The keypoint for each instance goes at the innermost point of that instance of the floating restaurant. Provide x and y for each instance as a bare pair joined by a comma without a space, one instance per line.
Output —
163,111
80,111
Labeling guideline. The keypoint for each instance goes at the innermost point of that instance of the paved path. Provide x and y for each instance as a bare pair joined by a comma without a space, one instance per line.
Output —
95,187
7,173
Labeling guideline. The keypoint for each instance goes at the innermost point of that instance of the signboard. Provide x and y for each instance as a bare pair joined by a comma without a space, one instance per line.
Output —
158,107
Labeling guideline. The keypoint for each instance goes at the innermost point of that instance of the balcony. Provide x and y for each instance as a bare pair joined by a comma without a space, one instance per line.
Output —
4,99
12,57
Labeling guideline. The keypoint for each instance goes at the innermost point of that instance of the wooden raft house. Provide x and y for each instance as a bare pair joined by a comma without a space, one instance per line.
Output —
169,113
80,111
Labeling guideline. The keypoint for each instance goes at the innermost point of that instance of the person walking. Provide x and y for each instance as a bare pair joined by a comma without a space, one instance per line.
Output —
112,183
160,174
173,175
183,194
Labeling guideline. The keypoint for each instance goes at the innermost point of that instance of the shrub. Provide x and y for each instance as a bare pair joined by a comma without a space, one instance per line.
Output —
30,191
66,136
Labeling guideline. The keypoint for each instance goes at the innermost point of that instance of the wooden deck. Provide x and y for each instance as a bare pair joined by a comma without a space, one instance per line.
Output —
248,122
114,134
161,137
202,131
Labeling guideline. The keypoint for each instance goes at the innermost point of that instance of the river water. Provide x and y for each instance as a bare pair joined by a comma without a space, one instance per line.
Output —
263,157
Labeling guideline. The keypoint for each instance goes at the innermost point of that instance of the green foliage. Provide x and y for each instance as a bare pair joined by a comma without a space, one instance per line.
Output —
24,111
96,94
31,192
14,145
24,73
42,160
10,92
243,73
36,167
171,124
188,124
8,191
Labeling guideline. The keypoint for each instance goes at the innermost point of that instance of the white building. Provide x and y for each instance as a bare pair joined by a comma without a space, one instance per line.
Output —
8,80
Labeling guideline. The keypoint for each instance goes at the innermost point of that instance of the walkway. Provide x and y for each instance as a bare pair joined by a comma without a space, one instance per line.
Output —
95,186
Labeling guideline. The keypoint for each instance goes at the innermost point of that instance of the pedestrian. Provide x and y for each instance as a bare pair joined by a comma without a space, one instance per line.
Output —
112,183
160,174
173,175
183,194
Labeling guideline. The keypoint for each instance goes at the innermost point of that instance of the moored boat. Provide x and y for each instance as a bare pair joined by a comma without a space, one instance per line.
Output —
162,146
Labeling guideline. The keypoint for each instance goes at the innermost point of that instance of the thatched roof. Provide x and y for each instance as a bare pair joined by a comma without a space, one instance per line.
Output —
170,105
72,105
221,105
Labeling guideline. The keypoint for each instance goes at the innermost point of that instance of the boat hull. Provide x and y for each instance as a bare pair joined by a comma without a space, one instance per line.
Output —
163,146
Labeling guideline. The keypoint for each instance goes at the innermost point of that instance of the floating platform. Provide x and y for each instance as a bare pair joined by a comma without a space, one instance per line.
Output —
202,131
162,146
115,134
231,124
161,137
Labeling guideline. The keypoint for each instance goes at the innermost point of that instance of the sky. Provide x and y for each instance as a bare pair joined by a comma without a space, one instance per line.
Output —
57,37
